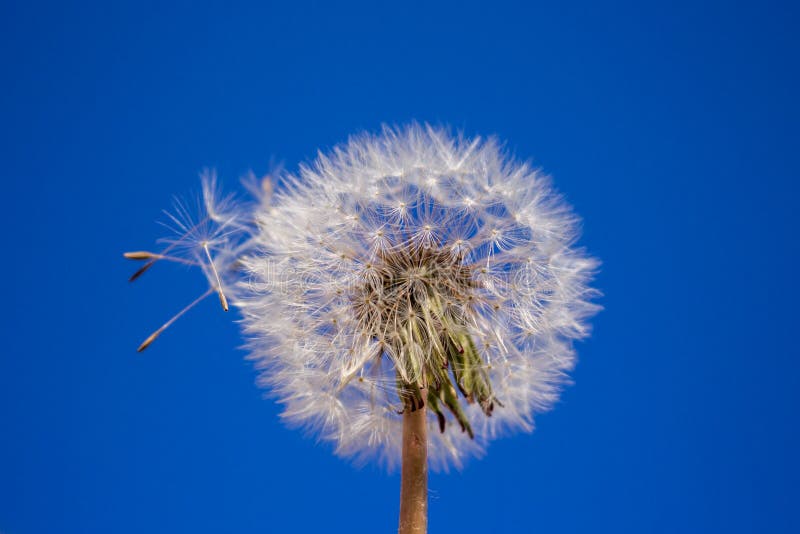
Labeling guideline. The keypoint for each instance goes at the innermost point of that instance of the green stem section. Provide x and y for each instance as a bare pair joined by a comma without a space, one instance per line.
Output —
414,474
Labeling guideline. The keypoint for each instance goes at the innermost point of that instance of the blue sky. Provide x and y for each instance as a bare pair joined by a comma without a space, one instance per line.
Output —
672,128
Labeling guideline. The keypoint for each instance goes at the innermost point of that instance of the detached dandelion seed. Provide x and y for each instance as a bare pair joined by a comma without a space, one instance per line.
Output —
215,237
410,296
222,300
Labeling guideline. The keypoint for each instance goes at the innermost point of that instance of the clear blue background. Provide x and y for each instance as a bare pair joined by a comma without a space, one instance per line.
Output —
672,128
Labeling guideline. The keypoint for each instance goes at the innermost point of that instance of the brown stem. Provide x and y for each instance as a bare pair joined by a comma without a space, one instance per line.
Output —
414,477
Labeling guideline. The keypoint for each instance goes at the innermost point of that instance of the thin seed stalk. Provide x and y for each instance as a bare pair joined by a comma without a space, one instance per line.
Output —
414,474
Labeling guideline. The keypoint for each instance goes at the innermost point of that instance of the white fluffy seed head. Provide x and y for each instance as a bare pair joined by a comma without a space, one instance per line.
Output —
412,262
400,270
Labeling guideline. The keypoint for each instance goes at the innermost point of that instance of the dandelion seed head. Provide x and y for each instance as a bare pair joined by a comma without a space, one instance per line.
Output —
405,269
413,268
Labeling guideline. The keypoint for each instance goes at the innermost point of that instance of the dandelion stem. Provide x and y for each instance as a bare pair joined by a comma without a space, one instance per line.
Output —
414,474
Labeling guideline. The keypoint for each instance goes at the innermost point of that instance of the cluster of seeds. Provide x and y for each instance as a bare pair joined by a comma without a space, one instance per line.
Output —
400,270
415,303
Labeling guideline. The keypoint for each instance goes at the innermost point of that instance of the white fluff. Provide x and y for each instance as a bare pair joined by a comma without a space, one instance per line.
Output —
310,248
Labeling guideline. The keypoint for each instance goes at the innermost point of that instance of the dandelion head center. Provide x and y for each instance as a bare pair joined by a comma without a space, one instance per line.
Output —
416,301
409,283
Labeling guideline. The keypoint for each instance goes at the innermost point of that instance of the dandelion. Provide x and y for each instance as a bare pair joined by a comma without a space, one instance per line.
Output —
409,297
